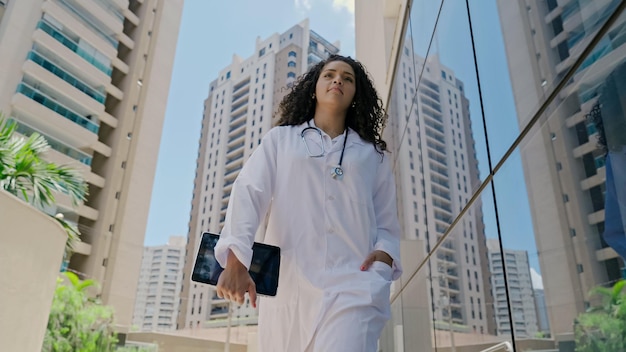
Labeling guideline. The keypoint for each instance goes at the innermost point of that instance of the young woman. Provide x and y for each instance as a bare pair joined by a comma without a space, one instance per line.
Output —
327,183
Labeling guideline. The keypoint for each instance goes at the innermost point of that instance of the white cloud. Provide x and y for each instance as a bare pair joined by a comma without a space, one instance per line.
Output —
347,4
303,5
536,279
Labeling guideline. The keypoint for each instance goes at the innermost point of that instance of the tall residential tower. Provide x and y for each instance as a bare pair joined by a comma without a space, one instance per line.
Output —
158,291
520,291
436,169
92,76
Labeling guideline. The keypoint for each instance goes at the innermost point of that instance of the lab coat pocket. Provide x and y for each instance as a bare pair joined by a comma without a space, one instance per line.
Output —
381,287
382,269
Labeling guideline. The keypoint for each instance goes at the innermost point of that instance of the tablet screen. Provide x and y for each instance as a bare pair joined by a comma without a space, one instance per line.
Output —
264,267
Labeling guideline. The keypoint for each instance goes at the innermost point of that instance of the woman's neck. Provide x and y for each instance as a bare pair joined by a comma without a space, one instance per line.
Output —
332,124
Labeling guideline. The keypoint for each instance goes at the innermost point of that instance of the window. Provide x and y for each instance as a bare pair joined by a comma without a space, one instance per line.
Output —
292,53
291,75
291,64
261,52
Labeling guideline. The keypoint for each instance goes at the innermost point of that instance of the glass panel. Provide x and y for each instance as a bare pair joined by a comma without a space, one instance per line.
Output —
70,44
524,50
569,219
51,104
519,272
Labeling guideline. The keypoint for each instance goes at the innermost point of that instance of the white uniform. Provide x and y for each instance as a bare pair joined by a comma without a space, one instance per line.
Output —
325,228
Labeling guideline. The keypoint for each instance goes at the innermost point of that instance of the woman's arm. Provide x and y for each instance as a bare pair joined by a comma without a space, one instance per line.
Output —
249,201
387,244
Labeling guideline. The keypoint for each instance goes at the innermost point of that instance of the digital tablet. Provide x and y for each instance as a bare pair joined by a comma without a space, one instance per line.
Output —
263,269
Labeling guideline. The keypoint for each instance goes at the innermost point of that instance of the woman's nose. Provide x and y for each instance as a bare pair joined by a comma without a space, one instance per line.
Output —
337,81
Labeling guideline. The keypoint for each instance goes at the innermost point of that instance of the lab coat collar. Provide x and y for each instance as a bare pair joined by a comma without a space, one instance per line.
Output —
353,136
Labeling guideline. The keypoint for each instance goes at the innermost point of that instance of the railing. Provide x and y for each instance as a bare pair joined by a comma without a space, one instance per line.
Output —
56,107
90,23
70,44
112,9
236,126
76,83
235,147
56,145
240,85
502,346
230,172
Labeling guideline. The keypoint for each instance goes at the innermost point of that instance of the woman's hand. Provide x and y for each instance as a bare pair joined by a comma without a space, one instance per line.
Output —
234,281
376,255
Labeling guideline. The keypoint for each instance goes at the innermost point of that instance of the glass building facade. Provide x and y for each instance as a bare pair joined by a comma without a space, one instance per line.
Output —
508,134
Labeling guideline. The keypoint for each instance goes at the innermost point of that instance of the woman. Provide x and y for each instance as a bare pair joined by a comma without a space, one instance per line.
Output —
325,179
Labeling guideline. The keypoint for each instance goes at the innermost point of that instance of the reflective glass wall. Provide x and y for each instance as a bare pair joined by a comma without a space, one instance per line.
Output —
508,127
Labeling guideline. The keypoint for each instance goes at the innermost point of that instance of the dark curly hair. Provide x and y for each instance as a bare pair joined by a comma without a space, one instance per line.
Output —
367,117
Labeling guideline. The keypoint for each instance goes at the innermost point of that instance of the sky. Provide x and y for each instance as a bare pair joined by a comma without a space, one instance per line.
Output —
212,32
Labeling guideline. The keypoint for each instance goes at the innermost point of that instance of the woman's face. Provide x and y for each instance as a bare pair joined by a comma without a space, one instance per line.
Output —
336,85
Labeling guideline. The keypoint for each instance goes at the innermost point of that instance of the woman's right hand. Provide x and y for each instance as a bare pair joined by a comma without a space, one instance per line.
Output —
234,281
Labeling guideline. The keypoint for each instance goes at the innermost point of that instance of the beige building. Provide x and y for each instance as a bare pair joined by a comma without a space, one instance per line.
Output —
237,113
158,290
436,168
520,291
563,166
93,77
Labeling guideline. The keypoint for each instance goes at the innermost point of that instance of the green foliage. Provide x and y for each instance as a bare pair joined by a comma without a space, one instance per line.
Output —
136,349
78,323
24,172
603,328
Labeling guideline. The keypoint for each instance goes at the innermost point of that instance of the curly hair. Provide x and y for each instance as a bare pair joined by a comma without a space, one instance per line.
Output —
366,115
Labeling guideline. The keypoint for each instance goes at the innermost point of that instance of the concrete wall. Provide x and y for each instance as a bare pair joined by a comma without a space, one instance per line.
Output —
31,251
178,343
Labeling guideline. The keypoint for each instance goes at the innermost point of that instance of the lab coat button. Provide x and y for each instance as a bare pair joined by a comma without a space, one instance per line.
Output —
331,230
331,198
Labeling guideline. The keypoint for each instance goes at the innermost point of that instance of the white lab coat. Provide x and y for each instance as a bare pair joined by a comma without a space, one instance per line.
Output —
325,228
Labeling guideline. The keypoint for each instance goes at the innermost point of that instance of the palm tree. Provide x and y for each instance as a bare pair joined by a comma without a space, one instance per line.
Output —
23,172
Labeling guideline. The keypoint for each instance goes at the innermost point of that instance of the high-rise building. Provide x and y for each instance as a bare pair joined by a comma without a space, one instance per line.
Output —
237,113
93,77
435,169
520,291
542,311
563,165
158,290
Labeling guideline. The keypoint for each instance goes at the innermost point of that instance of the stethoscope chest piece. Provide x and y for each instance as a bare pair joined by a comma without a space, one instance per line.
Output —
337,173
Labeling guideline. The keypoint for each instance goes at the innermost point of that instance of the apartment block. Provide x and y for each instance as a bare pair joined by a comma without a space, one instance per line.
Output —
239,110
158,290
93,77
512,266
435,170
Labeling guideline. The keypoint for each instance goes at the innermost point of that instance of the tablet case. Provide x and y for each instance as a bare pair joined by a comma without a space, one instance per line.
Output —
264,267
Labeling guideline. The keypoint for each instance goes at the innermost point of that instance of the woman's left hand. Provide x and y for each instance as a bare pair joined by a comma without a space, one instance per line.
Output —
376,255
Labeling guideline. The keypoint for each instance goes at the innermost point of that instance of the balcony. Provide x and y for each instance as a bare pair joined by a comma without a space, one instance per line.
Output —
56,145
51,104
73,46
240,85
234,148
62,74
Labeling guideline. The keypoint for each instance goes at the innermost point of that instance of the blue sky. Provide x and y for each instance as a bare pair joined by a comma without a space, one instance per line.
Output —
212,31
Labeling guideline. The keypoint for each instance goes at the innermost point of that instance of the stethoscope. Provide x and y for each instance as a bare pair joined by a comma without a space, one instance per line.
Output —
337,172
